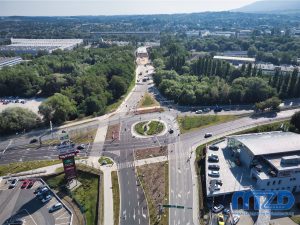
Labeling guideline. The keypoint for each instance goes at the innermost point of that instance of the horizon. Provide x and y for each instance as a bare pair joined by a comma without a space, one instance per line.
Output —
52,8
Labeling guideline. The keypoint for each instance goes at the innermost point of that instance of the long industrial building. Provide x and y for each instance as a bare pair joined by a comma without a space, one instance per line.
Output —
33,46
9,61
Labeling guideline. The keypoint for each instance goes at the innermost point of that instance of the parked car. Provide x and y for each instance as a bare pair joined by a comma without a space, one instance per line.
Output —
55,207
214,167
218,109
214,147
217,208
199,112
34,140
24,184
221,219
216,181
206,110
30,184
13,183
80,147
38,189
226,211
46,199
213,173
43,190
207,135
236,219
216,187
15,222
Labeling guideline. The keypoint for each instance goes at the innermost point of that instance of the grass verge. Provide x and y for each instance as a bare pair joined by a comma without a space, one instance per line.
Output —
106,160
296,219
116,196
155,181
139,128
85,195
155,127
25,166
190,123
148,101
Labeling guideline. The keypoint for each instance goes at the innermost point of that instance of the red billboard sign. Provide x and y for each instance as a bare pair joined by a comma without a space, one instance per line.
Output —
69,167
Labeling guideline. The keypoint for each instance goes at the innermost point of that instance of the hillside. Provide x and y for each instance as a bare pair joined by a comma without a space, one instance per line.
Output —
272,6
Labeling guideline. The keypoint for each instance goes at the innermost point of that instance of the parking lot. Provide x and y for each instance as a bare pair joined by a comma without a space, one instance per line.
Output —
19,203
31,104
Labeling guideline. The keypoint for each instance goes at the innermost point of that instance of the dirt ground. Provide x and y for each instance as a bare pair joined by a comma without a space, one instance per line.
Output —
32,104
150,110
113,131
154,178
150,152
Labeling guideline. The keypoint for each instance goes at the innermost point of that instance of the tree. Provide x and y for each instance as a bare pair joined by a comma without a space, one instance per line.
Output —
117,86
271,103
57,108
295,120
18,119
252,51
94,104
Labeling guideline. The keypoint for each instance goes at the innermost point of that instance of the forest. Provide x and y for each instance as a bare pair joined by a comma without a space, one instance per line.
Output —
208,82
85,80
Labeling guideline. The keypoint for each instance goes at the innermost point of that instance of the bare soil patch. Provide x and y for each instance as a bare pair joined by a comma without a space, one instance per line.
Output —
150,152
113,132
150,110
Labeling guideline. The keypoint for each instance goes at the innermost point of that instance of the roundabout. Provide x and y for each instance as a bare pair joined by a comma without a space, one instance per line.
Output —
149,128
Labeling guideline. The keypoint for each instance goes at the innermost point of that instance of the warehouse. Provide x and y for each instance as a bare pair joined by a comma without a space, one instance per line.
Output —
235,60
9,61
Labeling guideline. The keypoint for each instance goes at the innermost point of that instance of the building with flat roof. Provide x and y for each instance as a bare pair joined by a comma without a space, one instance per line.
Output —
142,52
235,60
260,161
33,46
9,61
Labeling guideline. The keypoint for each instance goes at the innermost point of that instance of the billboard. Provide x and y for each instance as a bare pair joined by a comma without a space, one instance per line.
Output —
69,167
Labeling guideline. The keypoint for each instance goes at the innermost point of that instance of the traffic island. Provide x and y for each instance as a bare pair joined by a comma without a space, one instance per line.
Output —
149,128
154,179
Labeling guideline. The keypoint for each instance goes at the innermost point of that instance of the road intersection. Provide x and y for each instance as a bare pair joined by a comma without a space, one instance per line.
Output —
133,209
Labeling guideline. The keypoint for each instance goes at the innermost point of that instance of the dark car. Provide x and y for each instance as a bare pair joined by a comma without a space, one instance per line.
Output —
217,208
32,141
81,147
213,159
207,135
30,184
216,181
38,189
214,147
171,131
218,109
214,167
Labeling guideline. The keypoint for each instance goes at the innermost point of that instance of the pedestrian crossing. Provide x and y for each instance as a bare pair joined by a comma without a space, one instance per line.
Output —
125,165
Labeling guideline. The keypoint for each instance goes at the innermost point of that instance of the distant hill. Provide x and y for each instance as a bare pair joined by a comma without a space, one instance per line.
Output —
272,6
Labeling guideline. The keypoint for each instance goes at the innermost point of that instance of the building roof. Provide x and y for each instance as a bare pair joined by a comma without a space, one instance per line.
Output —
270,142
232,58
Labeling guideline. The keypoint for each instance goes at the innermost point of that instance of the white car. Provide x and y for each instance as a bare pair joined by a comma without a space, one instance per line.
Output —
199,112
46,199
55,207
13,183
236,219
213,173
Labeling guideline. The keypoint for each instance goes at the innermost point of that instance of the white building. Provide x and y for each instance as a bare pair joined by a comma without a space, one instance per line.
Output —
142,52
32,46
273,159
235,60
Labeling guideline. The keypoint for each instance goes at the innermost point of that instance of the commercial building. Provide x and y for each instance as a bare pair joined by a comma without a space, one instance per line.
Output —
142,52
33,46
235,60
9,61
260,161
268,68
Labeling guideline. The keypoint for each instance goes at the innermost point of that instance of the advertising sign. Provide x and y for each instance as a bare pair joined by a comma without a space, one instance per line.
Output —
69,167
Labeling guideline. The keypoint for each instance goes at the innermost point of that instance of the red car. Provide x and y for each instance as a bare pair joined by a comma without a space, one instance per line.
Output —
30,184
24,184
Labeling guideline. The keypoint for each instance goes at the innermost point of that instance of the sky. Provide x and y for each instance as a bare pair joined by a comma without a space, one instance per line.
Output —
113,7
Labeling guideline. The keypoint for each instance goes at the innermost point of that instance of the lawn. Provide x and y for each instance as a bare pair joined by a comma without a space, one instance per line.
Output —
296,219
155,181
155,127
189,123
85,195
107,160
148,101
116,196
139,128
25,166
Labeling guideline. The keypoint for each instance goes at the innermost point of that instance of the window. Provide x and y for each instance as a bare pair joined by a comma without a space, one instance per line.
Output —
279,182
274,182
268,183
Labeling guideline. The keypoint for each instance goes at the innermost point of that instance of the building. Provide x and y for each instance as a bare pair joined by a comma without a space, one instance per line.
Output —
259,161
235,60
235,53
9,61
33,46
192,33
268,68
142,52
273,159
244,34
